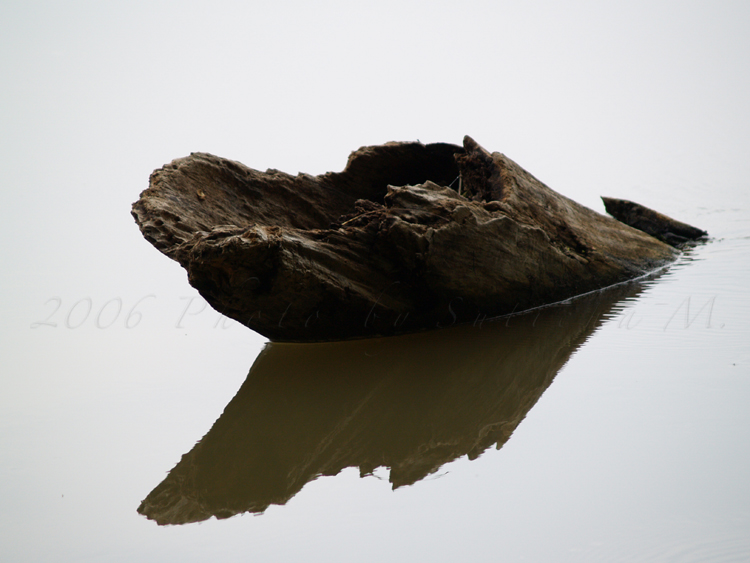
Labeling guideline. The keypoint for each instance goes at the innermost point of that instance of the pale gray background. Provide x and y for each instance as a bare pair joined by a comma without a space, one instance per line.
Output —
638,451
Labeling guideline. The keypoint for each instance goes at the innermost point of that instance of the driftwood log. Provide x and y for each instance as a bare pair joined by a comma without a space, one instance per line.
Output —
410,404
408,237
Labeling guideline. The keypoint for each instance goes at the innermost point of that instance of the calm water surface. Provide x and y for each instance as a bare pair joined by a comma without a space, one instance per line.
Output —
614,427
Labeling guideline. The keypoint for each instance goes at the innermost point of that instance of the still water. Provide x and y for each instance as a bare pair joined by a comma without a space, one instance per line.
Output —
612,427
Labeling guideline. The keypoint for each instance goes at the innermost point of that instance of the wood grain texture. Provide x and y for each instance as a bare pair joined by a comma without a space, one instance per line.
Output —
407,237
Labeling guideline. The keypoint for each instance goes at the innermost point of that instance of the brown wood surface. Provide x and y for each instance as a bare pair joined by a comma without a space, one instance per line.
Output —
408,237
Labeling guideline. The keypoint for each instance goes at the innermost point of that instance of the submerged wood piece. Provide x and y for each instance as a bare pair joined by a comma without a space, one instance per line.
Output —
652,222
408,237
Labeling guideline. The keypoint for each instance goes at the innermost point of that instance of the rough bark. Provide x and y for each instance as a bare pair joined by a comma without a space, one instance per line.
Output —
407,237
410,404
652,222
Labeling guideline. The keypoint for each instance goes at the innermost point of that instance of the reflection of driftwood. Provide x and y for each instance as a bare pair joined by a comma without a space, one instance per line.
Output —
410,403
387,245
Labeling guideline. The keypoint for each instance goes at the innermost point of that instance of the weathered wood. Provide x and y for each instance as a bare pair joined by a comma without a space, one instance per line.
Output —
652,222
407,237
